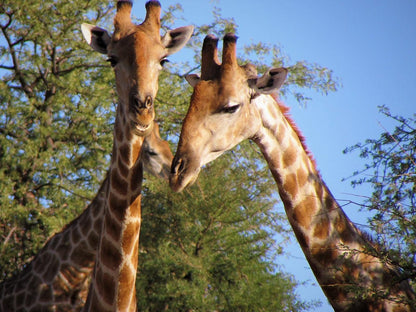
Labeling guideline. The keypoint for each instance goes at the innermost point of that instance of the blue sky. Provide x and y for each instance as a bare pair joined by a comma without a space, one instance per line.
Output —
370,45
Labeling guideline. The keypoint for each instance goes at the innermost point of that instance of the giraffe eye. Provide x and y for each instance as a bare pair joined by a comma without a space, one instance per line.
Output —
113,61
151,153
230,109
163,61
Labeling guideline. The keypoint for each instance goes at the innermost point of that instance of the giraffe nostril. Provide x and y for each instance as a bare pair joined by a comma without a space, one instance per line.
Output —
135,102
178,166
148,102
138,105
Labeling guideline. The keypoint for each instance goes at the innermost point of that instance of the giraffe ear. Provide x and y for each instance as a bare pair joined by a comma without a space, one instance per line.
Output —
175,39
96,37
270,82
193,79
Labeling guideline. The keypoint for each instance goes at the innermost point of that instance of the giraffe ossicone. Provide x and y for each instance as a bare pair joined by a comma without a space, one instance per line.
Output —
230,104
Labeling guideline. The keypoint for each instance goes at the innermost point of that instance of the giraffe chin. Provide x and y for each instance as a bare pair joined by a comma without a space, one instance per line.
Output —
140,129
179,182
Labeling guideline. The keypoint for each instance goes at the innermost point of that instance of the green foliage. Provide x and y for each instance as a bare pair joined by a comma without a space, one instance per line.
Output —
391,173
55,121
211,247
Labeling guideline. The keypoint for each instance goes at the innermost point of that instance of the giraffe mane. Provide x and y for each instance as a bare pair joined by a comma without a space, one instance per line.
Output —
286,113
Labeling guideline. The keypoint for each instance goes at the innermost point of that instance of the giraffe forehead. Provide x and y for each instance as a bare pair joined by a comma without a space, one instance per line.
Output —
139,46
204,98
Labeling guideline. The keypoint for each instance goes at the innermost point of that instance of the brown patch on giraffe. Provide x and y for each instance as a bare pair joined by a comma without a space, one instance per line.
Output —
32,284
114,155
330,202
129,134
8,302
302,212
85,225
39,263
324,253
343,228
21,284
118,131
118,206
93,238
321,229
335,293
124,153
319,189
128,278
281,133
291,185
65,238
76,236
46,295
136,178
122,168
20,298
302,177
96,303
289,156
96,208
81,255
109,291
129,234
110,256
118,183
97,226
350,272
52,269
112,228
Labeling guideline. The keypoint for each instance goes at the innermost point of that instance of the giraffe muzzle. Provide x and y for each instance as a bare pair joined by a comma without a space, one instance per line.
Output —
181,174
178,166
140,106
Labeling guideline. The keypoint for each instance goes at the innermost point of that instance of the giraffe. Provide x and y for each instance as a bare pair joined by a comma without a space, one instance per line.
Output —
57,278
137,53
230,104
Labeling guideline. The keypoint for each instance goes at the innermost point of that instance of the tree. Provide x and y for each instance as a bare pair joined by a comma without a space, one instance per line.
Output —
56,120
390,171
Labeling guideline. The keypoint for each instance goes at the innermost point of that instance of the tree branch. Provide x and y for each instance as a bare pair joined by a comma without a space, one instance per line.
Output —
13,55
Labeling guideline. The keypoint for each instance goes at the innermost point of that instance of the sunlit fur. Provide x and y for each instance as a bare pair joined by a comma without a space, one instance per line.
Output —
135,52
341,257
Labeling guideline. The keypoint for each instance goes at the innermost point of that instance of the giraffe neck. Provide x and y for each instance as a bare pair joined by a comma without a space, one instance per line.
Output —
336,250
59,273
113,283
57,277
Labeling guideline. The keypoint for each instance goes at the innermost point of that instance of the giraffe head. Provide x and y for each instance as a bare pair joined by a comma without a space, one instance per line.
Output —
156,155
221,113
137,54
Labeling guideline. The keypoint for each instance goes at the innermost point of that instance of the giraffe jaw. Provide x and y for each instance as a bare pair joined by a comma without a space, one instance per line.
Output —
141,129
